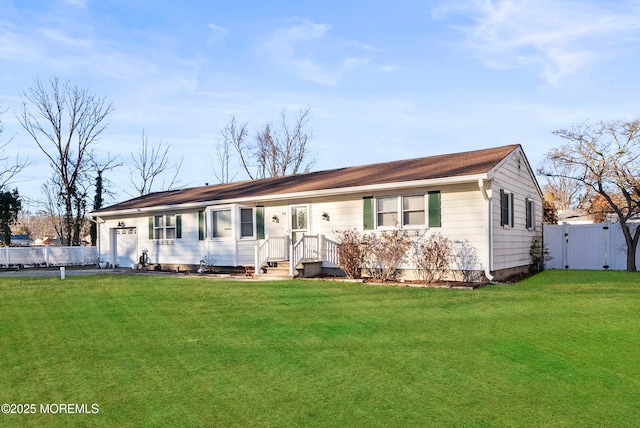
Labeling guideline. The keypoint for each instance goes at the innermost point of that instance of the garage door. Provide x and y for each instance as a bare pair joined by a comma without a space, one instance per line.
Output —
126,246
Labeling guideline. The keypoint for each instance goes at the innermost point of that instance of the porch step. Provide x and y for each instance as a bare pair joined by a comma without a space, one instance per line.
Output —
279,271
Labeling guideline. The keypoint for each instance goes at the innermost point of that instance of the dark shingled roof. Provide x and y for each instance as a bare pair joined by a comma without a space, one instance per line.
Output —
441,166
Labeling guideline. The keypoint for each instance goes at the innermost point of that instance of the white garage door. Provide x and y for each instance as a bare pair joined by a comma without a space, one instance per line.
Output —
126,245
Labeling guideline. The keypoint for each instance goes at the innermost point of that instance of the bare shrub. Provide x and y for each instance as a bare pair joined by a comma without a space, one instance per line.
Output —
353,250
465,259
207,264
432,258
388,252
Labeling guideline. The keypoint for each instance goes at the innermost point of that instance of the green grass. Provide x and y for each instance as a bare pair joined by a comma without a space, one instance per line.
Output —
559,349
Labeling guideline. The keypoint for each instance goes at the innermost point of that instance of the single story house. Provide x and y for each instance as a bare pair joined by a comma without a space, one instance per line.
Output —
487,199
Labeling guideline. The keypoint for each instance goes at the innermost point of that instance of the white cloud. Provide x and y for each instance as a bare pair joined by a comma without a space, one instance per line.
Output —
556,37
389,68
77,3
314,54
216,33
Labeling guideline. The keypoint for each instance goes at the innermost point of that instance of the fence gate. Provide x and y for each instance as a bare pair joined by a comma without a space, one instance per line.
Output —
586,246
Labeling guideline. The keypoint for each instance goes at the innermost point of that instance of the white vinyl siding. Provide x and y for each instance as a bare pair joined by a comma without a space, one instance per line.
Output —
511,244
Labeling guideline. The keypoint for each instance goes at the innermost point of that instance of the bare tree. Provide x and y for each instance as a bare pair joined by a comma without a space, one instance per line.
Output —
51,212
278,150
10,166
564,192
605,158
151,164
65,121
224,149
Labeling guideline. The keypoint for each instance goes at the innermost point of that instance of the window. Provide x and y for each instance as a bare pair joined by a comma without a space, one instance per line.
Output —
387,212
410,211
221,223
531,213
168,226
413,210
246,222
506,208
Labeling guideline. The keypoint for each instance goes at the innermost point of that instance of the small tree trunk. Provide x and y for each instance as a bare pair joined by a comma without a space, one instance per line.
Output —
632,244
631,258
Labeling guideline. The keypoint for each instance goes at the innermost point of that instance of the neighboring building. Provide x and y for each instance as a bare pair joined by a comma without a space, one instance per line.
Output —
488,198
19,240
574,216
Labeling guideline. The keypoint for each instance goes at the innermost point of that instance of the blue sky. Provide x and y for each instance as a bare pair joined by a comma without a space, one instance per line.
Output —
383,80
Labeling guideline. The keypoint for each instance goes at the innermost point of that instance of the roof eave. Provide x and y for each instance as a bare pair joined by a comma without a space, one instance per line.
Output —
296,195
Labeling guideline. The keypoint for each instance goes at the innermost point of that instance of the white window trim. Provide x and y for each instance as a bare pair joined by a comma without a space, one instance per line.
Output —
400,212
164,227
510,209
253,221
236,223
209,216
290,228
532,203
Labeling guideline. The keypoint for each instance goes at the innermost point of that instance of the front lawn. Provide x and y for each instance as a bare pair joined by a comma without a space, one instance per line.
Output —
558,349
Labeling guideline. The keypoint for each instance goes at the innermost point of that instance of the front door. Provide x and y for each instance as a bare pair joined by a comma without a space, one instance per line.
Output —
299,222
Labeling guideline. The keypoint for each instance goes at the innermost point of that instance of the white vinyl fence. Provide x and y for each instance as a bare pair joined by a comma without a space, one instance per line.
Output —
48,256
586,246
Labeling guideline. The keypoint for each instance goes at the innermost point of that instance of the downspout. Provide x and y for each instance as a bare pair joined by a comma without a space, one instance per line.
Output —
489,235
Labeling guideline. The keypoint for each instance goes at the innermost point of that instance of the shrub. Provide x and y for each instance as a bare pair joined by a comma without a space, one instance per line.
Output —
353,250
539,254
388,251
207,264
466,261
432,258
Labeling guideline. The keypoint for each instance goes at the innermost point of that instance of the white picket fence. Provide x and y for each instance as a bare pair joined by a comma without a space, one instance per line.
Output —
48,256
586,246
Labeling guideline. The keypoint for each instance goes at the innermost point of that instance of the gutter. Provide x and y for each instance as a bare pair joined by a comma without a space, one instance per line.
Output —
489,236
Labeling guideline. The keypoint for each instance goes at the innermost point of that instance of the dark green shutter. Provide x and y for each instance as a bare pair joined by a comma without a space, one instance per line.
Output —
504,210
259,222
178,226
512,211
150,227
434,209
367,219
201,229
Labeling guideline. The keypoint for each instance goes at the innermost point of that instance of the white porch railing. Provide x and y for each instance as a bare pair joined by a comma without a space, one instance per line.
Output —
47,256
271,249
315,248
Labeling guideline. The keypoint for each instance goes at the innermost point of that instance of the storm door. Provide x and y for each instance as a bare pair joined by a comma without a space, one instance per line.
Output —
299,221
